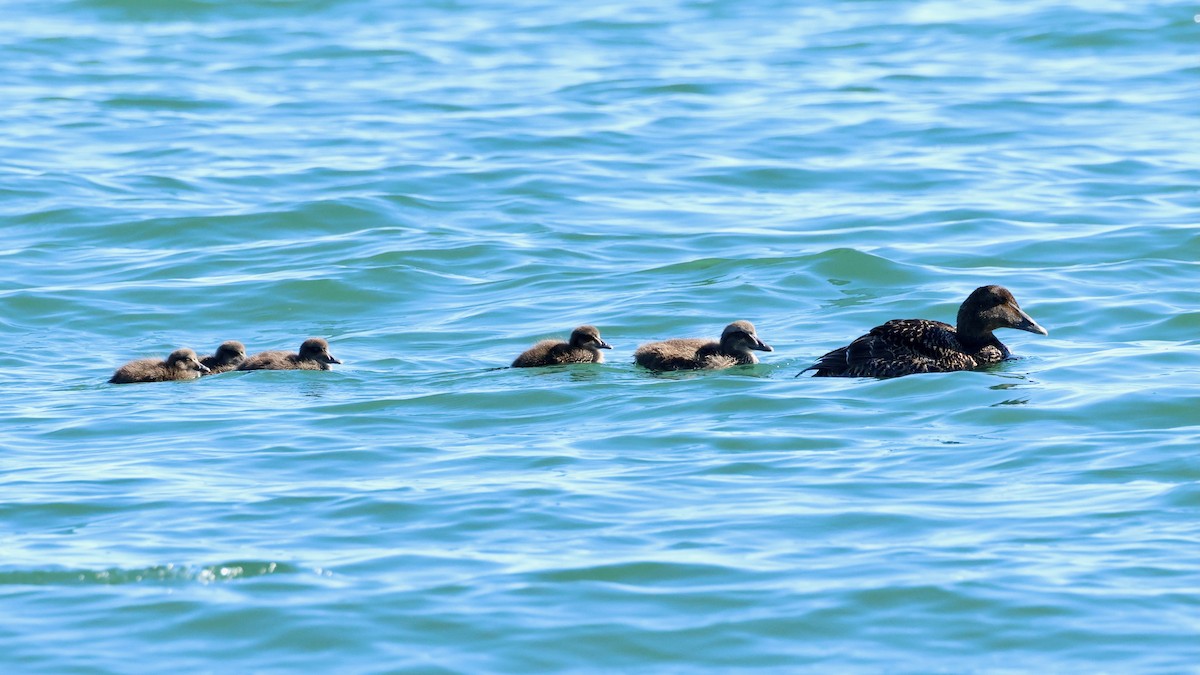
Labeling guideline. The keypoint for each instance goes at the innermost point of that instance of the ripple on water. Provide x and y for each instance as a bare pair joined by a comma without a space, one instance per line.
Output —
434,188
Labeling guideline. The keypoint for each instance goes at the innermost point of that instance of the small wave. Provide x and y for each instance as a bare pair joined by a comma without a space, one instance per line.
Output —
170,573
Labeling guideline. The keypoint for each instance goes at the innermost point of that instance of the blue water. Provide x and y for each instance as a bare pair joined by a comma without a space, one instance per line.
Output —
434,186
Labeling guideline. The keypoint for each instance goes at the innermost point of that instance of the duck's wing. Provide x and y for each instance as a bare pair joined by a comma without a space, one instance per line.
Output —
898,347
916,337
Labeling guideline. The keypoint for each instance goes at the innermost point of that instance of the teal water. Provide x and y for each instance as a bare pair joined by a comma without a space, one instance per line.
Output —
436,185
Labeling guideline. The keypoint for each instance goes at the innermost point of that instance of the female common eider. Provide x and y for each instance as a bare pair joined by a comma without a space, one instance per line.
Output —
907,346
314,355
734,349
182,364
584,347
228,356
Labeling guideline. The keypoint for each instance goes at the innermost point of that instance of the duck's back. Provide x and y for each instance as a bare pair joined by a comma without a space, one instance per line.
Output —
540,354
142,370
904,347
277,360
678,354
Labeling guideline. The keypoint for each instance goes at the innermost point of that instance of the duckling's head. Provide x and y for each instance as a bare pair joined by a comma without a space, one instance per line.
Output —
588,338
316,349
740,336
185,359
231,353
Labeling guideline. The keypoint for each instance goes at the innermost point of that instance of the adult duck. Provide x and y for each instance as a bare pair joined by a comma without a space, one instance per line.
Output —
908,346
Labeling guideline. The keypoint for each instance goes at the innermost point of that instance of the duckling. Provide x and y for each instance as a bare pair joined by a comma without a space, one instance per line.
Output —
907,346
228,356
734,349
181,364
314,355
584,347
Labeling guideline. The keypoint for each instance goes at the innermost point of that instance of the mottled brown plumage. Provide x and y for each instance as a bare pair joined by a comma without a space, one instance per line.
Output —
181,364
909,346
314,355
584,347
228,357
735,348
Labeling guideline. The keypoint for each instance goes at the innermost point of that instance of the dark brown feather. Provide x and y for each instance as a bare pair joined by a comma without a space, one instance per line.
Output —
908,346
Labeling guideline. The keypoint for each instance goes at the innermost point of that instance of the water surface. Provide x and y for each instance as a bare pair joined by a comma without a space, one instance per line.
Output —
436,186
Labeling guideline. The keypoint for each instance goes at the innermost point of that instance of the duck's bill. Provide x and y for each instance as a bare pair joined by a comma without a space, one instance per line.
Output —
1027,323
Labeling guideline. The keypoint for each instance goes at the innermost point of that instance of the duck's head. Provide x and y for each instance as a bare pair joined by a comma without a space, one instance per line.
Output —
990,307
